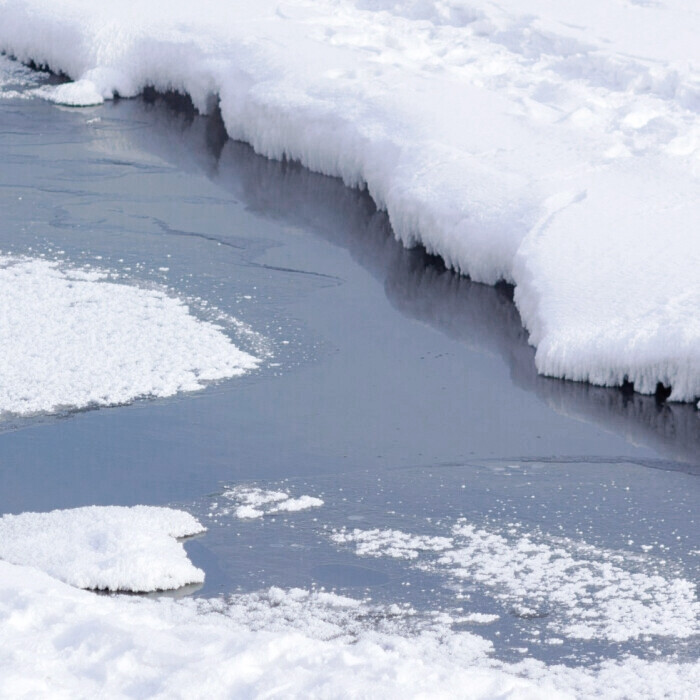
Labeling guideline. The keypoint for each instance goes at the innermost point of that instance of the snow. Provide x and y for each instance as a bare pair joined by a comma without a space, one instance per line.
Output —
106,548
57,641
253,502
554,144
390,543
71,338
582,591
15,80
589,593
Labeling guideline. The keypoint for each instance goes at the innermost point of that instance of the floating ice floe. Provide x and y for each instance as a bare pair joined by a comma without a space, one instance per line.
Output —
73,339
582,592
552,144
254,502
104,548
59,641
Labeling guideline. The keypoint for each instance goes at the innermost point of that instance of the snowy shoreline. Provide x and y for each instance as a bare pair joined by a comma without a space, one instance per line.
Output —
57,639
555,161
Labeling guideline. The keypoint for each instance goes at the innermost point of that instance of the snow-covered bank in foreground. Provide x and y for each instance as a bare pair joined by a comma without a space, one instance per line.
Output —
293,644
71,339
554,144
58,641
106,548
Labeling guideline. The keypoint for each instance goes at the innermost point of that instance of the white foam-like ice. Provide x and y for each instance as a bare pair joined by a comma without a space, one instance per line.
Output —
253,502
57,641
554,144
107,548
588,592
583,592
72,339
390,543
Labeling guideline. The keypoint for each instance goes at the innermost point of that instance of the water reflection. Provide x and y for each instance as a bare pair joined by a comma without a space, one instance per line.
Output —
483,317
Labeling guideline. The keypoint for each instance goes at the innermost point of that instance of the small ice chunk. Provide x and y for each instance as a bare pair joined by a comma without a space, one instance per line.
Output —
252,502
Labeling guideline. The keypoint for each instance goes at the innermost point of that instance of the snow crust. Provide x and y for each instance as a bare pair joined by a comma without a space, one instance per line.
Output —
582,591
72,338
105,548
554,144
290,643
253,502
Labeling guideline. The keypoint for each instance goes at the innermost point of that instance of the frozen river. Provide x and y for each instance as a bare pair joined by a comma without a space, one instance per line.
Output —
401,395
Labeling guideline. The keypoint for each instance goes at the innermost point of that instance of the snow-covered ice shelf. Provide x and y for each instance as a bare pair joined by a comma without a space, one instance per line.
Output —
555,144
73,338
104,548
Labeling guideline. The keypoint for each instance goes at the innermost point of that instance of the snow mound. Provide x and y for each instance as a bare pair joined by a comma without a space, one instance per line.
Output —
56,640
552,144
104,548
581,591
74,339
81,93
253,502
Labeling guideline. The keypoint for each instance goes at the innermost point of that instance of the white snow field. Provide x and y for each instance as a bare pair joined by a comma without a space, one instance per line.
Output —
104,548
551,143
71,338
57,641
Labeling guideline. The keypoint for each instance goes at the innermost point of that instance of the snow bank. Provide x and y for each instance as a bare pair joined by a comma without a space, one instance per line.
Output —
552,144
254,502
71,339
581,591
295,644
105,548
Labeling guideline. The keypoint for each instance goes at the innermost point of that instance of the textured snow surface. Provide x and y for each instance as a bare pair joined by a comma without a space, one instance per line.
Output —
288,643
552,143
71,339
254,502
106,548
583,592
277,643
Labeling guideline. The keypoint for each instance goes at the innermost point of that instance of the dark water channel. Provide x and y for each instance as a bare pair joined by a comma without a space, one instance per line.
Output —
401,394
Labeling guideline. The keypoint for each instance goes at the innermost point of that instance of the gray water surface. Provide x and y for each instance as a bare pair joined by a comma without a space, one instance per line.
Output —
401,394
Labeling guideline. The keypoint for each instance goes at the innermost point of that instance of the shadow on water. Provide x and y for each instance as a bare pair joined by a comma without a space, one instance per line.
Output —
417,284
